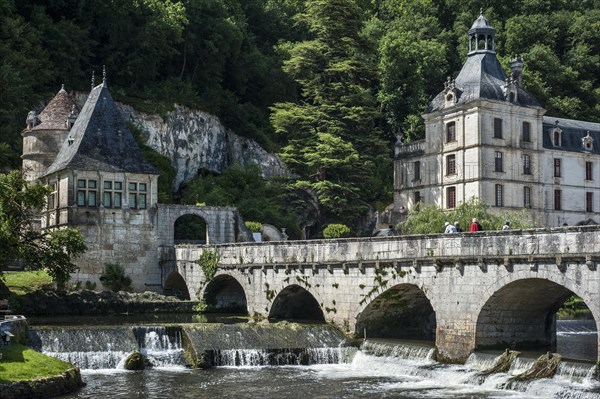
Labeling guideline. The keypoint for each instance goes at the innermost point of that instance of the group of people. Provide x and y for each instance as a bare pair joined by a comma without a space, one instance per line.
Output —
475,226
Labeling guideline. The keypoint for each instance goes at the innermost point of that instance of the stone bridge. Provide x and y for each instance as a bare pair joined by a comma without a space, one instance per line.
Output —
463,291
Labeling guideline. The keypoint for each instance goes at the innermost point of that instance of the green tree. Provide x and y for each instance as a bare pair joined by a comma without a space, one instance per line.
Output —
256,199
20,240
413,62
430,219
333,140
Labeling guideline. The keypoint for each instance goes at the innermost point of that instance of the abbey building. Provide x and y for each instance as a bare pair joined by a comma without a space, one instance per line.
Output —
102,185
486,137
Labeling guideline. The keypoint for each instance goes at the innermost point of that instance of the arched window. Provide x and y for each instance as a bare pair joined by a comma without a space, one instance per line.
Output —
556,138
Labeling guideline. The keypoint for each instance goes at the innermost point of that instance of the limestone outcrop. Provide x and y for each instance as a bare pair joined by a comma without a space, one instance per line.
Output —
196,141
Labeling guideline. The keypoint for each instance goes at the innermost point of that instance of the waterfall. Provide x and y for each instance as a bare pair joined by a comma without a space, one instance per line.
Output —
281,357
407,351
481,361
160,346
85,347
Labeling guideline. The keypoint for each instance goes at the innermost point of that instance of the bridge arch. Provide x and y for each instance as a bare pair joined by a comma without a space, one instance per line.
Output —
225,294
175,285
403,311
521,313
296,303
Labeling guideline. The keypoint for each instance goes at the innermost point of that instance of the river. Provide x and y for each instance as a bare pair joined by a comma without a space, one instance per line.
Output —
379,369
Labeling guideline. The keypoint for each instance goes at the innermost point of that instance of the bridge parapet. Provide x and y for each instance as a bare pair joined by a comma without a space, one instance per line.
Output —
558,245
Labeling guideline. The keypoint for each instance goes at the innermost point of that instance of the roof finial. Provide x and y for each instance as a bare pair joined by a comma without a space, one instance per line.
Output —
481,11
104,75
93,79
62,87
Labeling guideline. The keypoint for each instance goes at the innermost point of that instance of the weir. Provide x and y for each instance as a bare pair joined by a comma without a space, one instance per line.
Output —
312,347
201,345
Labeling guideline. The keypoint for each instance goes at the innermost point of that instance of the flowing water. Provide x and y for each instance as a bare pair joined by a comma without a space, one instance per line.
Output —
379,369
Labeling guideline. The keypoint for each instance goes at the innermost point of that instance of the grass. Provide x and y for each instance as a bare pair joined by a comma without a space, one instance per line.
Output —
21,283
23,363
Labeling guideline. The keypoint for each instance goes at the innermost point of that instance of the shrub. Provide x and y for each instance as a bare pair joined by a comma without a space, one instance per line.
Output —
113,277
336,231
255,227
209,261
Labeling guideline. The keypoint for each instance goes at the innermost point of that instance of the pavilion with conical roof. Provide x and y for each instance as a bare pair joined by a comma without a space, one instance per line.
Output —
46,132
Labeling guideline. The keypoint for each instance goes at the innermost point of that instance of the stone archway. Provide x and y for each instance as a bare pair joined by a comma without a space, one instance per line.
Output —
175,285
521,315
190,229
224,294
402,312
296,303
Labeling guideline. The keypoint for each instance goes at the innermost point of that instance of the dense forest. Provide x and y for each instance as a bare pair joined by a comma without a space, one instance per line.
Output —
327,84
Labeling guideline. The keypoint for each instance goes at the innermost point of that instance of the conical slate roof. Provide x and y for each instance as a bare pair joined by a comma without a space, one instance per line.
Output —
100,140
54,116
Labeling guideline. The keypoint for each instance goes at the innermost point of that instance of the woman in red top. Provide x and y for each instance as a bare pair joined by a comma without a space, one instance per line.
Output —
474,226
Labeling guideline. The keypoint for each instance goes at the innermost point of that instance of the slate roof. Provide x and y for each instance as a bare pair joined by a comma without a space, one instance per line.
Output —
54,116
572,133
481,24
482,77
101,140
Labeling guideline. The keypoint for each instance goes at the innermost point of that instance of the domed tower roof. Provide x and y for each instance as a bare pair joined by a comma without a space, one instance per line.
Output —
482,76
481,25
56,114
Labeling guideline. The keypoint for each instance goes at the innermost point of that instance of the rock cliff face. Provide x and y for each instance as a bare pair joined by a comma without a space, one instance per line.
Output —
196,141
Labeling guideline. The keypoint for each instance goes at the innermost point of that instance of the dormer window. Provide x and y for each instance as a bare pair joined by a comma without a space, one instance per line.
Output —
450,92
587,142
556,137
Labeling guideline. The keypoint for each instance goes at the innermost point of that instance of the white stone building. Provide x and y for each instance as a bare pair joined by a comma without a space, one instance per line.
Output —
488,138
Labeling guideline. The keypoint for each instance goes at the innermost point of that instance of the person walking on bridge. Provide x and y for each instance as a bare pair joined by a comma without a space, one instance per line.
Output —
449,228
474,226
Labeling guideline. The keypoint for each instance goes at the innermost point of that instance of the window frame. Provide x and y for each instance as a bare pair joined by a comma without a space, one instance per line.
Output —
87,193
451,197
498,134
498,161
451,132
589,170
527,197
557,167
589,201
499,195
417,170
450,164
557,200
526,132
526,164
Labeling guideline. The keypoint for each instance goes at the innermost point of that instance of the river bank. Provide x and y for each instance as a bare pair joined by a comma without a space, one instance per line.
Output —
86,302
25,373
